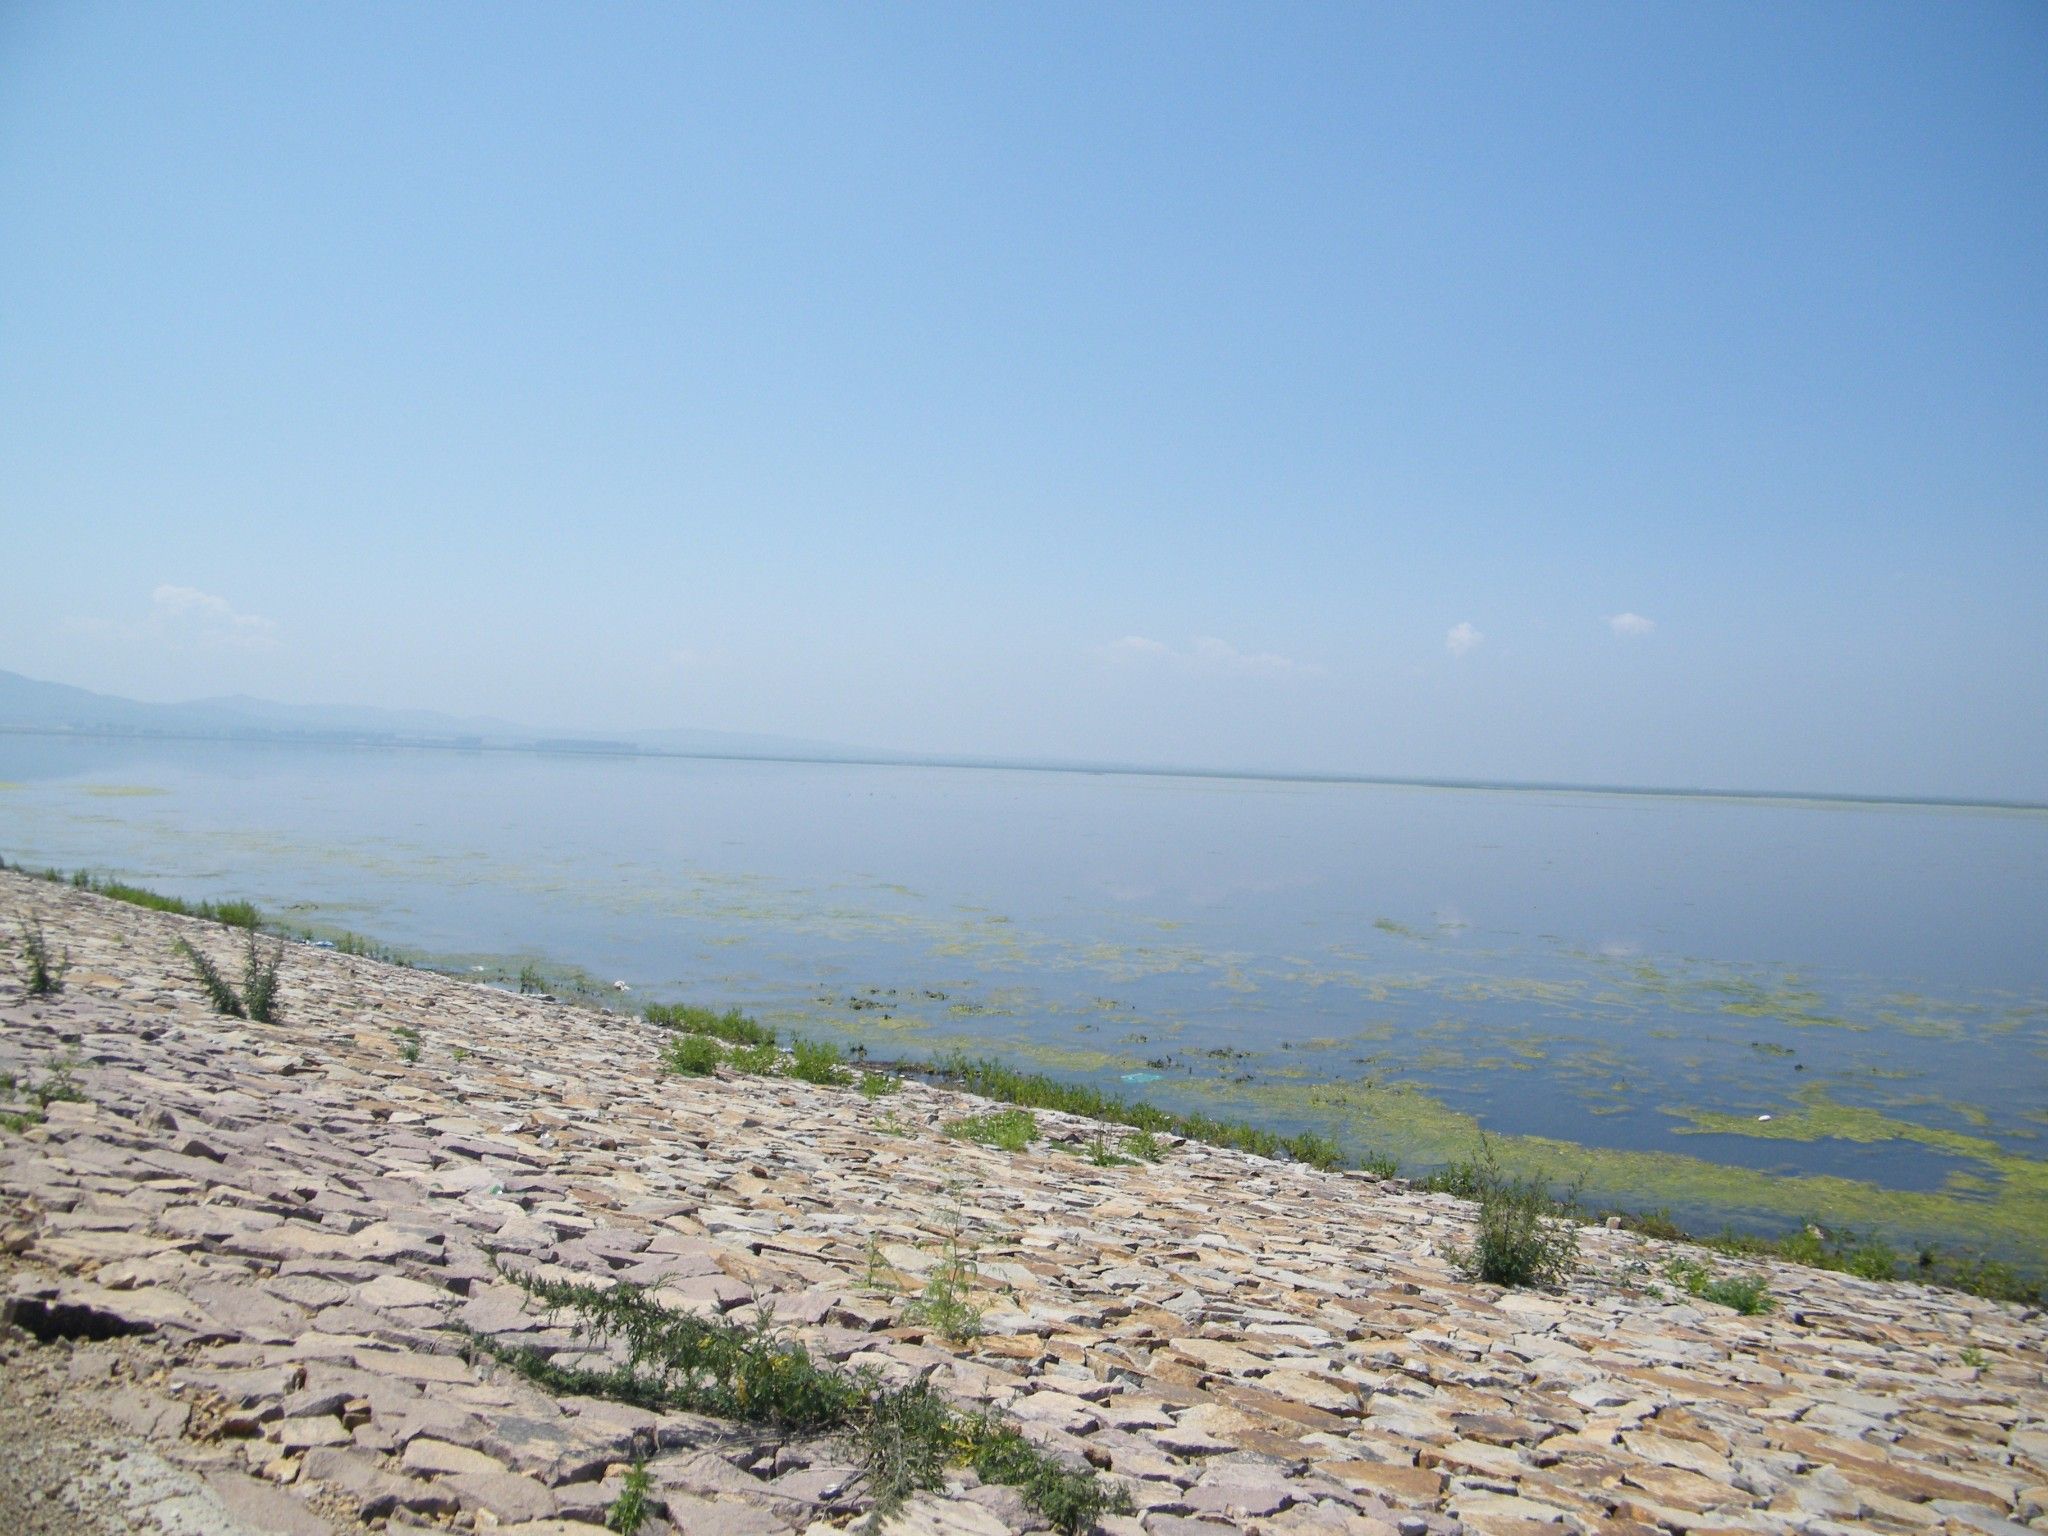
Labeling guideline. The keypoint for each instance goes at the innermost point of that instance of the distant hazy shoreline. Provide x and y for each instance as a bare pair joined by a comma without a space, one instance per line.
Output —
584,747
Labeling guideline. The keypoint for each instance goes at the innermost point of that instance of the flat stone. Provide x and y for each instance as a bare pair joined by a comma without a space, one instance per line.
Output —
509,1496
429,1456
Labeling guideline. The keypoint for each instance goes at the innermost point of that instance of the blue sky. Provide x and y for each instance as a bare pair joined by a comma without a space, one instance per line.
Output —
1278,386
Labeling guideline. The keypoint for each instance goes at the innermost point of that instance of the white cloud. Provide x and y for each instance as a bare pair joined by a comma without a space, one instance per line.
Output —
197,615
1136,648
1207,656
1631,626
199,618
1463,639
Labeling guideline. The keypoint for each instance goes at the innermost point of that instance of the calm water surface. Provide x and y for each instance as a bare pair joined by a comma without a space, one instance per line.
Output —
1631,974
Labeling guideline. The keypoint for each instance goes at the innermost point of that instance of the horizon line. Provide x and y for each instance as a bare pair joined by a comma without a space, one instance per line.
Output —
598,748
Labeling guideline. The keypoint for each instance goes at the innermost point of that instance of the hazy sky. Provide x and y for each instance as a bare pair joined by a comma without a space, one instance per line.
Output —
1634,393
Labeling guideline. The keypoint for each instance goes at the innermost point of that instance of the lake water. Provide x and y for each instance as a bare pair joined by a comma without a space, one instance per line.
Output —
1614,987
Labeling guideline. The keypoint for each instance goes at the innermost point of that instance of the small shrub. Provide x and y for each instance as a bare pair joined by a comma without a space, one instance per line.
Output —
876,1085
629,1509
531,982
43,976
692,1056
816,1061
754,1060
891,1124
1383,1164
218,992
1974,1358
1520,1239
408,1042
731,1026
1008,1130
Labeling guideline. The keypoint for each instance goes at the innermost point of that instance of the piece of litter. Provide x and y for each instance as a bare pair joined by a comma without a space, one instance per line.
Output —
1763,1117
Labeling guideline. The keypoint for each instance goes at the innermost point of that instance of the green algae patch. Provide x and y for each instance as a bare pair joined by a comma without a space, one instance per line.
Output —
121,791
2004,1209
2008,1206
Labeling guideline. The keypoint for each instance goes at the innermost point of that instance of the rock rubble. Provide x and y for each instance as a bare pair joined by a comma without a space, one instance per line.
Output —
252,1247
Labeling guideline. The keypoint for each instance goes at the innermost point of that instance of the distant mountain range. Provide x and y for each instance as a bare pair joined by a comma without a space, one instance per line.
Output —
27,704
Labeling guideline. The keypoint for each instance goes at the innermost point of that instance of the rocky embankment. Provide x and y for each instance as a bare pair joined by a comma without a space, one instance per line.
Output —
288,1224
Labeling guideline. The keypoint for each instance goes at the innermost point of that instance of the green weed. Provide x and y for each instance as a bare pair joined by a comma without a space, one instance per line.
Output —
755,1060
235,914
42,975
1745,1294
1315,1150
1008,1130
258,998
1142,1146
731,1026
945,1303
259,979
218,991
907,1437
629,1509
1099,1153
1519,1239
59,1085
817,1061
691,1056
876,1085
